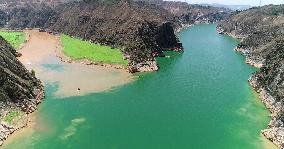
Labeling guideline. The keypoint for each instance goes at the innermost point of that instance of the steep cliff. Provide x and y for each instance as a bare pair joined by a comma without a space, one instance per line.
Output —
19,89
262,34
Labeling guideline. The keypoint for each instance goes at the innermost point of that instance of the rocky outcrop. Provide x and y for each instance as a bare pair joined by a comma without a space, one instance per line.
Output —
261,31
19,89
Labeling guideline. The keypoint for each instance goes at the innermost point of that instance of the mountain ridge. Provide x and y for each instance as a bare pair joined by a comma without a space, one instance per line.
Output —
142,30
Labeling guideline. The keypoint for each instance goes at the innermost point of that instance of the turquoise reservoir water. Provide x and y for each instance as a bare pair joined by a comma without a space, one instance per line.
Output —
199,99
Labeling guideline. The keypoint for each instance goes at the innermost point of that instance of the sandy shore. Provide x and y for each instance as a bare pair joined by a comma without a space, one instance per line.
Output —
266,143
31,125
41,54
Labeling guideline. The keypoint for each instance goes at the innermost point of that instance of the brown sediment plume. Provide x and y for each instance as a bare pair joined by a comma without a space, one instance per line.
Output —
73,79
43,49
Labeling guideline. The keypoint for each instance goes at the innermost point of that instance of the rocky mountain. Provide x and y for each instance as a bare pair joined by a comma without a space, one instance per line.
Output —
142,30
19,88
262,32
184,14
8,4
231,7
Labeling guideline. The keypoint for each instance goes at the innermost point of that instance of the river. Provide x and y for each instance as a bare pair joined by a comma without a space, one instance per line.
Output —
199,99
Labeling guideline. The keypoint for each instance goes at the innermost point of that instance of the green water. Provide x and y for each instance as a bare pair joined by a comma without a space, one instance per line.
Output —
199,99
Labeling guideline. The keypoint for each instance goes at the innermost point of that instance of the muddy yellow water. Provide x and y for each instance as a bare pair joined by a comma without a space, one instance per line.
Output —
40,53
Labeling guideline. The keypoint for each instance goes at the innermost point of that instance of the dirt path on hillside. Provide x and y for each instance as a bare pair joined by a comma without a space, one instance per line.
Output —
39,54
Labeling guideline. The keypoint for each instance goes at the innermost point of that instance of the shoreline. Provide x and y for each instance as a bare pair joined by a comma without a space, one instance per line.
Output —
183,27
50,67
8,130
248,60
30,122
29,126
41,48
270,132
147,66
64,58
275,126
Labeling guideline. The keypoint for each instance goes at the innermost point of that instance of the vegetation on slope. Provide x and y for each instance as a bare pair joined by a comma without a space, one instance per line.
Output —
14,38
11,116
78,49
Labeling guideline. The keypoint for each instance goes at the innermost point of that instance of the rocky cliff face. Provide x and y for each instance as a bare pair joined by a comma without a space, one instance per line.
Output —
142,30
19,89
262,34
